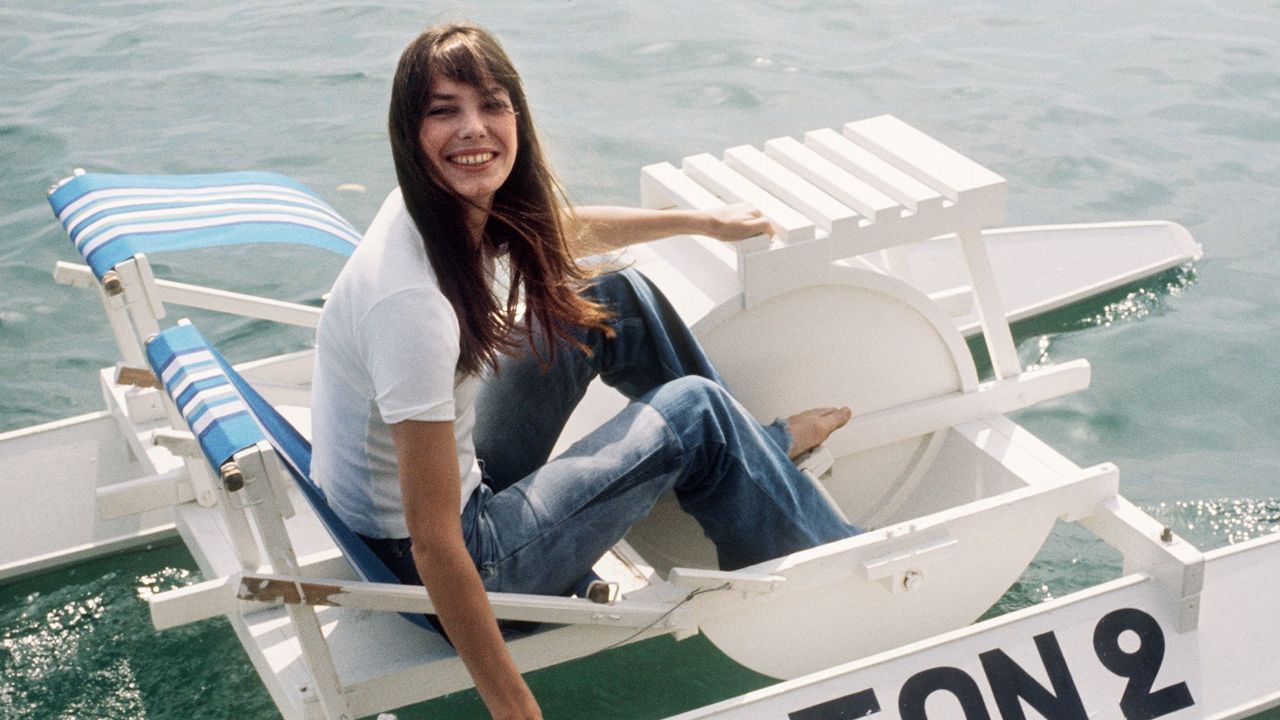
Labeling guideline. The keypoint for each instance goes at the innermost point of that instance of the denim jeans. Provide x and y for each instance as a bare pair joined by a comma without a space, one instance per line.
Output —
537,524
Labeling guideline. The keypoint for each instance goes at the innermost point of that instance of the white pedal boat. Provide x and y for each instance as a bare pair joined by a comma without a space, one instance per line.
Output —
862,300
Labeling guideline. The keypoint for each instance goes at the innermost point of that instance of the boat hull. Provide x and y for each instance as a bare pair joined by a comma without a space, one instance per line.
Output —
1113,650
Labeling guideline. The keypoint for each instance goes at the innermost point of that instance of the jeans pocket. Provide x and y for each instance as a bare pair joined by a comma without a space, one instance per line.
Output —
477,531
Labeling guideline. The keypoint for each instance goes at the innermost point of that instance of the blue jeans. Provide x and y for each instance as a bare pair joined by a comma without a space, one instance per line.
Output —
538,525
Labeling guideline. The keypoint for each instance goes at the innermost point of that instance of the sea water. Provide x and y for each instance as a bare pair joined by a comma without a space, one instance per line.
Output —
1092,111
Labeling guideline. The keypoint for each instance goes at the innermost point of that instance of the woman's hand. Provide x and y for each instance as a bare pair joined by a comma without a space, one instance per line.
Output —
735,222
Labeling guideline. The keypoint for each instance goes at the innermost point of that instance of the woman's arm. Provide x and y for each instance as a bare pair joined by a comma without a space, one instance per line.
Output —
429,481
597,229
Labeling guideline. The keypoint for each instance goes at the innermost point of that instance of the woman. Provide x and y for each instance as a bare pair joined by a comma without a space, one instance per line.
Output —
412,324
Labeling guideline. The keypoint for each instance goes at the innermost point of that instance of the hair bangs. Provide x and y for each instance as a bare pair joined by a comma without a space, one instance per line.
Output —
464,57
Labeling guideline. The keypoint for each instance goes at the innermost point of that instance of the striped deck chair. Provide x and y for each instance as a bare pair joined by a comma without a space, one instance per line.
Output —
116,221
227,415
352,661
230,420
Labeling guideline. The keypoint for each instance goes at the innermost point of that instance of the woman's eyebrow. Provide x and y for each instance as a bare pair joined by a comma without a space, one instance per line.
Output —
496,91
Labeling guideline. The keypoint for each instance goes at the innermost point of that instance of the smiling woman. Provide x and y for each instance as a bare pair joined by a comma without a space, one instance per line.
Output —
422,370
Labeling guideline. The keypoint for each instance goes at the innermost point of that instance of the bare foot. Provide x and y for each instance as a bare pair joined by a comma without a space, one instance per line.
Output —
811,427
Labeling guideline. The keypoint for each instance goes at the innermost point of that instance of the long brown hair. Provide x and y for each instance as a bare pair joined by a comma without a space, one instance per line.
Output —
524,221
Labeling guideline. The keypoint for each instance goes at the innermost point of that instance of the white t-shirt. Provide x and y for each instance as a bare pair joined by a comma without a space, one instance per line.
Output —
387,349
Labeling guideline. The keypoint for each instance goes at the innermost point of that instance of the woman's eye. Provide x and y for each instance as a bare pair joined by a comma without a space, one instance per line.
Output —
497,107
444,111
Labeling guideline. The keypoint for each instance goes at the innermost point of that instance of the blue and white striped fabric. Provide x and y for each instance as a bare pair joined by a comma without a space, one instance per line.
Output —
110,218
215,411
227,415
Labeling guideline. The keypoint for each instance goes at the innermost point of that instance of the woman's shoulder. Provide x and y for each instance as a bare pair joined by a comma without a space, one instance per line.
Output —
392,244
391,260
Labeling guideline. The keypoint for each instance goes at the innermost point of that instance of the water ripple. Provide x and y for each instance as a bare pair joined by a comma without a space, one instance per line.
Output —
1217,522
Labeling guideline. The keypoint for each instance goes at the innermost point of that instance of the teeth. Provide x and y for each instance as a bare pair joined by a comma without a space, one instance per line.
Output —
472,159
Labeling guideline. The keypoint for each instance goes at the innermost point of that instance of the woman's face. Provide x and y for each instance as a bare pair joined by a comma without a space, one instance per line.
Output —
469,136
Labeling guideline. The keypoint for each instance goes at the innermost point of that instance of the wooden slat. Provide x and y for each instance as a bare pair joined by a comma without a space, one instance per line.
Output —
919,155
147,493
882,427
385,597
991,312
868,201
862,163
715,175
662,186
826,211
176,293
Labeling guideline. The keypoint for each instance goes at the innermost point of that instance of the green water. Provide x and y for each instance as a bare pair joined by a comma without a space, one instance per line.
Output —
1105,111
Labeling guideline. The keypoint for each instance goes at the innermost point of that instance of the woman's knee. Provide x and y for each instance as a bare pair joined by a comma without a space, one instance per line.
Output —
691,399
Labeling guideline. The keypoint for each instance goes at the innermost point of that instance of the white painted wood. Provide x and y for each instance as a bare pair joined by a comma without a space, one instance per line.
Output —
827,613
914,195
238,304
912,557
1175,564
712,269
122,329
147,280
68,460
869,202
897,504
381,597
207,489
1043,268
954,301
258,465
797,192
73,274
962,180
1238,631
193,603
785,268
662,186
737,580
881,427
153,492
720,179
177,442
1226,662
995,327
199,296
144,308
1072,619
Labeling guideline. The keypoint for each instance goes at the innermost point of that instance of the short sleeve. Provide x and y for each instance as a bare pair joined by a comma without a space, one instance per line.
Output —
409,342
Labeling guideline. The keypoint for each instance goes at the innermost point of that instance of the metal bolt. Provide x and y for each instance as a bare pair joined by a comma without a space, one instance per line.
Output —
111,282
1166,535
232,478
911,580
601,592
